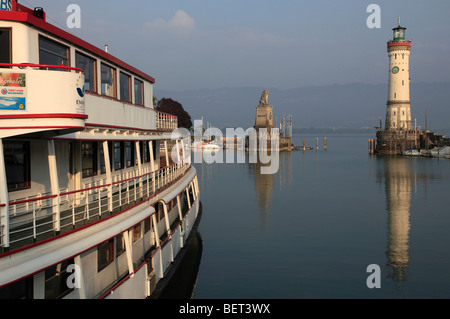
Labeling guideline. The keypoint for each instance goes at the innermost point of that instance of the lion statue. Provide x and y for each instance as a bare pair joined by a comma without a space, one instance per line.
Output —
264,97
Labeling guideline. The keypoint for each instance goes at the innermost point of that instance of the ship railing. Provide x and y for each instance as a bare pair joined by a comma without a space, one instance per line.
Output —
43,216
163,255
40,67
166,122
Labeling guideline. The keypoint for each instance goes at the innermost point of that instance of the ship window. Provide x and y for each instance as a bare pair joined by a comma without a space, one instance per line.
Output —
108,80
184,203
17,165
120,244
52,53
145,152
191,195
89,159
56,280
88,65
138,92
125,82
129,154
118,155
154,149
147,224
105,254
22,289
5,45
159,211
137,234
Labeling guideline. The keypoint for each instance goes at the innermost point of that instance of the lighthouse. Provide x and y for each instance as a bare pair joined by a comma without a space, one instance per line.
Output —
398,112
399,134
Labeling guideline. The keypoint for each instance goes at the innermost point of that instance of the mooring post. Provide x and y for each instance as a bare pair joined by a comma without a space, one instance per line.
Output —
371,144
304,146
325,143
317,143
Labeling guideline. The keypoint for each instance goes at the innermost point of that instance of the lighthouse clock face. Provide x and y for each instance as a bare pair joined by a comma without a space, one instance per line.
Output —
395,70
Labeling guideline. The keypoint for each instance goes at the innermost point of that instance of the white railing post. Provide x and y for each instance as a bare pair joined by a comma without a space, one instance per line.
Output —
167,153
128,249
188,198
138,158
178,152
155,231
152,164
108,175
54,183
169,231
82,287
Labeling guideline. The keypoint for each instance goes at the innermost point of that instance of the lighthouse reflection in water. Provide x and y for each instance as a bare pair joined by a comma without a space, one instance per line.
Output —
312,229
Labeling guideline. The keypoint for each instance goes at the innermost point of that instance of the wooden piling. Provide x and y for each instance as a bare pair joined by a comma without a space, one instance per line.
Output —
371,146
325,143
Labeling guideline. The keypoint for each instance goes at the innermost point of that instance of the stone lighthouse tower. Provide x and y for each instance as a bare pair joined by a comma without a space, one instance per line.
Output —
399,134
398,113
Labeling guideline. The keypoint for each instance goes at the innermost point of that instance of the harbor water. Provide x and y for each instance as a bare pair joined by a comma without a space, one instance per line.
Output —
312,229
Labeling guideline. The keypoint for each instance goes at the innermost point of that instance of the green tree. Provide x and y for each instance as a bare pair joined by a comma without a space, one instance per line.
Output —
167,105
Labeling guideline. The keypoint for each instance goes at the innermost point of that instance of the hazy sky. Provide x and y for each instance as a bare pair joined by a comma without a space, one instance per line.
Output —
197,44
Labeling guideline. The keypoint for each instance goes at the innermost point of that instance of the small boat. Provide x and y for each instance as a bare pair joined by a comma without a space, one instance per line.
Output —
207,145
412,152
440,151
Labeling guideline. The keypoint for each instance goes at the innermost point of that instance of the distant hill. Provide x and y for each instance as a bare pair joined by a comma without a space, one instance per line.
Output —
349,106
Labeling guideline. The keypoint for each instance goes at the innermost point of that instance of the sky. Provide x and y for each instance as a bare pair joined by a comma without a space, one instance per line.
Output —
209,44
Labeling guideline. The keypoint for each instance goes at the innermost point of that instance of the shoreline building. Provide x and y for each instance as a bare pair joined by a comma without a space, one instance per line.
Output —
399,134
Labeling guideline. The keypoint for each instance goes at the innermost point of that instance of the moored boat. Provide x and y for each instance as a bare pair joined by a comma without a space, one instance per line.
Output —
412,152
440,151
89,205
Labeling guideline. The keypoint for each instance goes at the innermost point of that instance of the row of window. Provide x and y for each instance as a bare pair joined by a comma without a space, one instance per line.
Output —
116,246
113,248
122,154
56,276
54,53
403,55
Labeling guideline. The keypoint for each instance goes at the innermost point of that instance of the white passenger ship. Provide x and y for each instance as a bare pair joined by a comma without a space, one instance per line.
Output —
90,204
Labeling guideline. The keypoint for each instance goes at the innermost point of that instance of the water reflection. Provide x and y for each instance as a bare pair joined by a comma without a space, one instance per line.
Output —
265,183
402,177
182,284
398,180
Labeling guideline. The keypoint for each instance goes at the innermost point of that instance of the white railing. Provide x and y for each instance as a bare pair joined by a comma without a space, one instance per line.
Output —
34,219
166,122
164,254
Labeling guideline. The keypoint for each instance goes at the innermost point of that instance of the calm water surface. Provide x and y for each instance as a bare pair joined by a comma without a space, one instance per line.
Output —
311,229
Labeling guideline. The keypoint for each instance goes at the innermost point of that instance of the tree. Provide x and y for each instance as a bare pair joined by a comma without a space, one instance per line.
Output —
167,105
